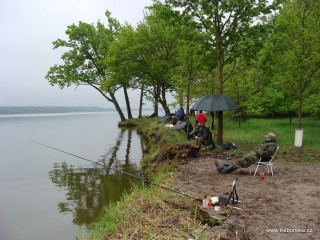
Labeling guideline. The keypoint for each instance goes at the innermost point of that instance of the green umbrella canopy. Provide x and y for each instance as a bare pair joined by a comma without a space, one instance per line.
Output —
214,102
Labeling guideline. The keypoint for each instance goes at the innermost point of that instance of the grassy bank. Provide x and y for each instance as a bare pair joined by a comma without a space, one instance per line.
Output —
253,131
149,213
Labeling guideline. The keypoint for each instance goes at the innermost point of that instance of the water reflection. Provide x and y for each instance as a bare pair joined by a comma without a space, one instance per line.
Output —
90,188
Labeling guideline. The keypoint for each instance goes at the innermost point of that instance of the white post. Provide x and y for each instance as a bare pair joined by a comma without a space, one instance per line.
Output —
298,137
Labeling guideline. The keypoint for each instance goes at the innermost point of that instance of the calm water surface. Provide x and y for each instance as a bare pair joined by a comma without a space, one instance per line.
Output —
45,194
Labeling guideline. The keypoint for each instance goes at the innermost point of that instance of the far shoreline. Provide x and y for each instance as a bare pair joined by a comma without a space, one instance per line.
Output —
30,115
5,110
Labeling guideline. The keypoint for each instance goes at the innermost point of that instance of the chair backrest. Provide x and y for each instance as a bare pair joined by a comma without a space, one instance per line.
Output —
274,155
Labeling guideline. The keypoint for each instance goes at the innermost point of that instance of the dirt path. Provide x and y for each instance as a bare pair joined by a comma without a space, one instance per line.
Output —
287,202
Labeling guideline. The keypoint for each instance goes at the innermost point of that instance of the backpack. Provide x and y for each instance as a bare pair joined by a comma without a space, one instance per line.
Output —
229,146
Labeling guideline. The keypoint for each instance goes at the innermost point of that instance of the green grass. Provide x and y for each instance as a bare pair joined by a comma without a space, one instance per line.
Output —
250,132
253,131
142,213
136,122
249,135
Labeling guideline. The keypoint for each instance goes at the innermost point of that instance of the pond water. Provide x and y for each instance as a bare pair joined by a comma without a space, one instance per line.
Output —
46,194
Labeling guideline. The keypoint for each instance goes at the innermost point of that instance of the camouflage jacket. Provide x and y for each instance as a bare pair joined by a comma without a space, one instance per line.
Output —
266,150
205,134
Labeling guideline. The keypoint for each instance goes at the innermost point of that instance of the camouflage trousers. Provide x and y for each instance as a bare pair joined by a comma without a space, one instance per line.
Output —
247,160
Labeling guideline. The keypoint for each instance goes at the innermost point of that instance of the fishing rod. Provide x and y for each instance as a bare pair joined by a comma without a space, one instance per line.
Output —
119,171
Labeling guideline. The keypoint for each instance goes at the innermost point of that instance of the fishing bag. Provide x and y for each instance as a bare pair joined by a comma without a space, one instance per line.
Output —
229,146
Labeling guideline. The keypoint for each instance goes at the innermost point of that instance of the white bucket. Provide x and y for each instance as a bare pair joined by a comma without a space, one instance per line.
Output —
298,137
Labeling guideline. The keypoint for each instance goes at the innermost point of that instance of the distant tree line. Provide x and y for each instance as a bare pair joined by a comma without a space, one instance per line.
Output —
264,55
34,110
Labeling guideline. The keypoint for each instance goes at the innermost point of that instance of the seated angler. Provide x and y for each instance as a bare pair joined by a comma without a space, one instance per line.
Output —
202,135
201,118
265,151
180,114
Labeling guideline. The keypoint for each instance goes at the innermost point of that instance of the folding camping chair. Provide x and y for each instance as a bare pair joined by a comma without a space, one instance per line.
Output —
268,164
233,196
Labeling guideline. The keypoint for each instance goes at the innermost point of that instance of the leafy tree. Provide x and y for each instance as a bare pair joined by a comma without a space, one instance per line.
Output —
226,24
122,62
241,88
158,47
83,63
295,50
191,73
312,104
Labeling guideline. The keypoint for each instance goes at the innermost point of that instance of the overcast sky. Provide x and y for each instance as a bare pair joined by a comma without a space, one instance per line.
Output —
28,28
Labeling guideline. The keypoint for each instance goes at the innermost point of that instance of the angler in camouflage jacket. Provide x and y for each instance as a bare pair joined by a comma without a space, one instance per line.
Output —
202,135
266,150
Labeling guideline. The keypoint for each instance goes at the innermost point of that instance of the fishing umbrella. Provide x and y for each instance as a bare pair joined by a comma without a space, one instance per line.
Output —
214,102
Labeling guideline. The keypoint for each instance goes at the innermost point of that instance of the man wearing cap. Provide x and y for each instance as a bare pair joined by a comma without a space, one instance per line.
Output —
202,135
266,150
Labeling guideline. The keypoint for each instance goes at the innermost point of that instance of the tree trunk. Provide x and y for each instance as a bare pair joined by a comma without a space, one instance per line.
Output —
300,100
141,101
112,99
220,128
116,105
166,109
127,102
220,61
188,102
156,101
164,102
212,120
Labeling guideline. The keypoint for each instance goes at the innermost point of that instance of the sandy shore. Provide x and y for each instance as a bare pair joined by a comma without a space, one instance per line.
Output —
285,206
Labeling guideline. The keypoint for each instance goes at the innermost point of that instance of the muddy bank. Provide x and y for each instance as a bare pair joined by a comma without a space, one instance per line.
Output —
285,206
164,146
